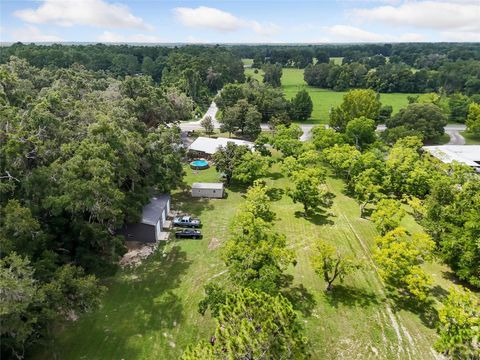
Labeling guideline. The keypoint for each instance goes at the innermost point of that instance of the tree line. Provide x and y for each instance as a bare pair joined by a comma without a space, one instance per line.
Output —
419,55
386,77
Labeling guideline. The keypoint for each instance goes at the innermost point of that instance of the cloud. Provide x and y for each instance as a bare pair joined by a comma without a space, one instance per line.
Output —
31,33
461,36
194,40
108,36
439,15
266,29
82,12
210,18
348,33
411,37
219,20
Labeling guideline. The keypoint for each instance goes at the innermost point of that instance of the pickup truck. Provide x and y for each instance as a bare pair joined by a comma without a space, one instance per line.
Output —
186,221
188,234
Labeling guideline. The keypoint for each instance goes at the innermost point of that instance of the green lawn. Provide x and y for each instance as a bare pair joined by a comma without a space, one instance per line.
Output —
151,312
324,99
470,139
247,62
337,60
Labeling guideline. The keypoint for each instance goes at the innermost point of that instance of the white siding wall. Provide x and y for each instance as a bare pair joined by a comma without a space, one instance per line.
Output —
164,215
158,229
211,193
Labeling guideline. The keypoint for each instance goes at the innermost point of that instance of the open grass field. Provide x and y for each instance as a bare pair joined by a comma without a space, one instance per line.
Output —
324,99
337,60
247,62
470,139
151,312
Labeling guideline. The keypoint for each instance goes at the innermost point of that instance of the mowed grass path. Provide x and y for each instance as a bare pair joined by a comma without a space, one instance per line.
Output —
356,321
151,312
324,99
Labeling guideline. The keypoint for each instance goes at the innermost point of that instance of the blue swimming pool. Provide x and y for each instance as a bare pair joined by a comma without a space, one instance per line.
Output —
199,164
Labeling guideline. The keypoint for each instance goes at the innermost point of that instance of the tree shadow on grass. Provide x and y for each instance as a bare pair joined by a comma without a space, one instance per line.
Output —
139,302
275,194
450,275
301,299
425,310
367,212
319,218
238,187
298,295
184,202
351,296
275,175
439,293
154,292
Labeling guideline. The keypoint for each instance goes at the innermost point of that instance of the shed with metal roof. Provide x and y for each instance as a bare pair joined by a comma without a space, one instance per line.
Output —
154,217
209,190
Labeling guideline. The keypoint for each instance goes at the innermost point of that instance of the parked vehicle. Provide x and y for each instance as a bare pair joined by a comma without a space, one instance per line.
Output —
188,234
186,221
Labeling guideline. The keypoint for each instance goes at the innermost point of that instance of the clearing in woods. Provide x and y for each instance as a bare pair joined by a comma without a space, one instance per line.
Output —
323,99
151,312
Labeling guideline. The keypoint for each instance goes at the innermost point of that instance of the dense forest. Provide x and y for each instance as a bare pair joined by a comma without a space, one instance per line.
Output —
83,147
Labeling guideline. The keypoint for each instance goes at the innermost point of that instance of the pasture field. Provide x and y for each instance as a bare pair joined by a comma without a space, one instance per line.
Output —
324,99
337,60
151,312
247,62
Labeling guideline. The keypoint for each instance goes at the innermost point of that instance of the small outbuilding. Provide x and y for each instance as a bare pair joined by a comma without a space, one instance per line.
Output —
154,218
208,190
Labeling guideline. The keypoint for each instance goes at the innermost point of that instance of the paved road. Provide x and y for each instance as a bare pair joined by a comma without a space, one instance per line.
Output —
212,112
449,127
455,137
453,130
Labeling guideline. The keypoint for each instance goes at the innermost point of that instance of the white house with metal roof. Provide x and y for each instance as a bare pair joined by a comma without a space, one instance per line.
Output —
465,154
210,146
209,190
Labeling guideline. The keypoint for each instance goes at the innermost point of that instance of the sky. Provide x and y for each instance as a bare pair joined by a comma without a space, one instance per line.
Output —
236,21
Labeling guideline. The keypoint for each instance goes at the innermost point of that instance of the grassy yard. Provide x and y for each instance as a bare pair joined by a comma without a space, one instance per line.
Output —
470,139
151,312
324,99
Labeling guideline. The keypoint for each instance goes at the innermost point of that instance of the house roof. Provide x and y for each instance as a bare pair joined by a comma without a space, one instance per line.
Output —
152,212
211,186
466,154
210,145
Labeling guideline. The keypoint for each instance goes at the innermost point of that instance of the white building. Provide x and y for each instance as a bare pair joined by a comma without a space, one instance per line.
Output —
210,145
465,154
209,190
